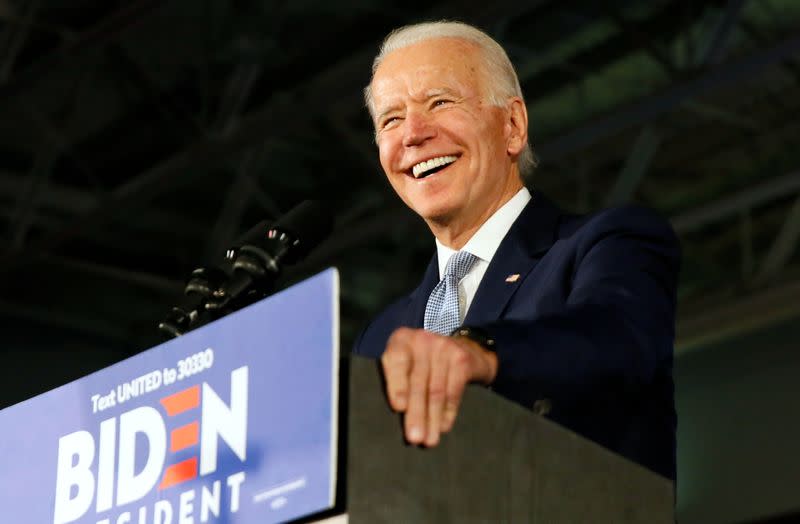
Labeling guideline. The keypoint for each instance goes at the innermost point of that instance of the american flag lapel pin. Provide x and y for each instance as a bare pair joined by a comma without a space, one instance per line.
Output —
512,278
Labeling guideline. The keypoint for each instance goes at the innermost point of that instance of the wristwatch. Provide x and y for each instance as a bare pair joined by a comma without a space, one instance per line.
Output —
476,334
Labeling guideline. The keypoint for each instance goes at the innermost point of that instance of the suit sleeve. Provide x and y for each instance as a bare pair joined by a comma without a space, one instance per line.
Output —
357,348
616,329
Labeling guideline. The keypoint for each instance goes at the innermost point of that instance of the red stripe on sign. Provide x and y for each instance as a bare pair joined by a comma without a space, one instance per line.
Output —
182,401
184,436
180,472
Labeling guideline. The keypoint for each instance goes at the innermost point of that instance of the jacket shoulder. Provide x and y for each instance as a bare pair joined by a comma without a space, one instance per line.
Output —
621,220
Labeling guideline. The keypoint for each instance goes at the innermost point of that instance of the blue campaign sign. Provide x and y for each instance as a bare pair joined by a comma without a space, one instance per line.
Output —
235,422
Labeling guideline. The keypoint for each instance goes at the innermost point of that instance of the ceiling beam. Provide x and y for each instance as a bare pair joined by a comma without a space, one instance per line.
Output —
209,151
725,116
229,218
176,172
538,82
152,282
782,247
46,316
747,255
236,94
636,166
641,39
71,201
103,31
704,326
29,199
649,108
16,36
181,119
733,205
341,81
713,52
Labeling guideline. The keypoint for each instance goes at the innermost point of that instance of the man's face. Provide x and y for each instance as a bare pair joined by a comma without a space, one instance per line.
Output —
448,153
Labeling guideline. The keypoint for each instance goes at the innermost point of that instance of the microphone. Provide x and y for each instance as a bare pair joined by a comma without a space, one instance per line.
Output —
262,252
251,266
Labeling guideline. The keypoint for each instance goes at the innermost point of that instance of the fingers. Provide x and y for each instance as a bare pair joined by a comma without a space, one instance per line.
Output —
396,361
415,419
426,375
454,391
437,388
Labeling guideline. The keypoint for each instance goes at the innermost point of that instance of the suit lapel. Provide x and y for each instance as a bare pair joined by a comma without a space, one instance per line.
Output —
531,235
415,312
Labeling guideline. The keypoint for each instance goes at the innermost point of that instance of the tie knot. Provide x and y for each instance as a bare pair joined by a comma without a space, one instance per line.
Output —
459,264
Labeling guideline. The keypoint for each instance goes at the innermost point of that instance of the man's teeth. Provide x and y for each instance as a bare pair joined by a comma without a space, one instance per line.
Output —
423,167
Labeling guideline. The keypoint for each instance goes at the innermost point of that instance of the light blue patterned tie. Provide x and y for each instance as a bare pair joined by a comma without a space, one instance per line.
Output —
442,314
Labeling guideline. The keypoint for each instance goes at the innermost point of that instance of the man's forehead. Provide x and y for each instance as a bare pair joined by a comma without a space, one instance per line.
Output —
421,82
429,58
426,69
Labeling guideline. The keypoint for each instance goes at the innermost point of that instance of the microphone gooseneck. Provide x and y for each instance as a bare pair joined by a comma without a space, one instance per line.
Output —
251,267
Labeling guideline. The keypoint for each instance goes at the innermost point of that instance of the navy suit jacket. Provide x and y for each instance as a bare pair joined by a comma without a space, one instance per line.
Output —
587,329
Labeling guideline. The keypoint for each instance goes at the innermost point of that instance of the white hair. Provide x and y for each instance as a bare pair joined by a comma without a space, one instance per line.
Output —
504,83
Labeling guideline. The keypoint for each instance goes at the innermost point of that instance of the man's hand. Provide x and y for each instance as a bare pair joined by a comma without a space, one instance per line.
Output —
426,375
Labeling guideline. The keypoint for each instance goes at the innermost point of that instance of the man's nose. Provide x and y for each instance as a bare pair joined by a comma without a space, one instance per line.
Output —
418,129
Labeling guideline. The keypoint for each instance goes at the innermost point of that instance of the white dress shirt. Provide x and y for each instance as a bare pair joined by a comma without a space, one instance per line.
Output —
483,245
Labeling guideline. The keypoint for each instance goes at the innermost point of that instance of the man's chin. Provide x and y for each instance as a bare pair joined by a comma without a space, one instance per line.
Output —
439,216
436,209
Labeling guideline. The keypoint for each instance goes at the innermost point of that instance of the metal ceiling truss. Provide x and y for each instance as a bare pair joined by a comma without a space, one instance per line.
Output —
252,108
643,111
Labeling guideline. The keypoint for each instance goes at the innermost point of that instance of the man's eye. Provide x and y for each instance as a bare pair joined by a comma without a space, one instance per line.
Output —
440,102
389,121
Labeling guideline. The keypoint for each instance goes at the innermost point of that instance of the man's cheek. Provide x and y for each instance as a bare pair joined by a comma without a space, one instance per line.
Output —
385,162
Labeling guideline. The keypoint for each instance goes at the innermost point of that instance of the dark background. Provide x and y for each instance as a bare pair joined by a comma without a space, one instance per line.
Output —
137,138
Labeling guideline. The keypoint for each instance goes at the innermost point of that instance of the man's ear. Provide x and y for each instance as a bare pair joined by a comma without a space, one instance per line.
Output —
517,126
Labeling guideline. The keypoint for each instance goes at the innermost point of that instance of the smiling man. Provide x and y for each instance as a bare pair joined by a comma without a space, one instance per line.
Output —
448,151
572,317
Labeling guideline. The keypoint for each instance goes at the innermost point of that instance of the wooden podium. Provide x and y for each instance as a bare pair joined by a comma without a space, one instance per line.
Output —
501,463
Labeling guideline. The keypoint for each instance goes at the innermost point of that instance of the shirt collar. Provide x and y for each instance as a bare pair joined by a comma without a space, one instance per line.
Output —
487,238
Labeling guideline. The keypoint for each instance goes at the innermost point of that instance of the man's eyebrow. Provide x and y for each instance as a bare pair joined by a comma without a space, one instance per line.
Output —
438,91
427,95
385,112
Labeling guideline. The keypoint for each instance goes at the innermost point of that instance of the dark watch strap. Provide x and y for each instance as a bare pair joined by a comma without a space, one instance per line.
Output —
476,334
